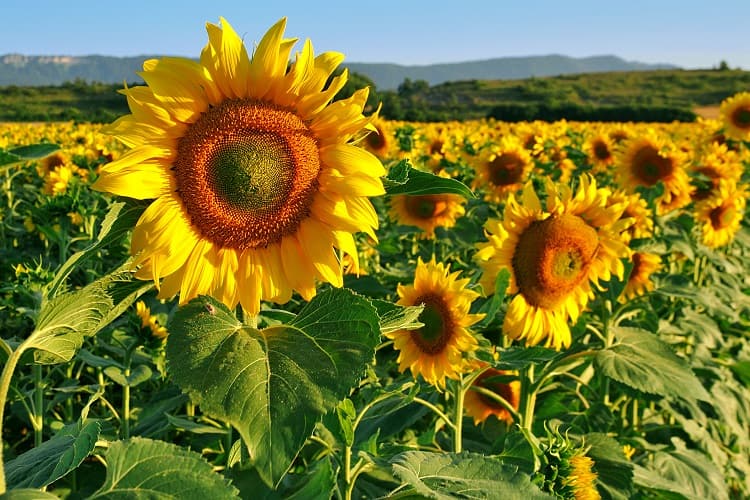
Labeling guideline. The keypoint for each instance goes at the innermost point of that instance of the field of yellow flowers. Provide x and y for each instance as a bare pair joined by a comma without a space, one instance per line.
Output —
245,290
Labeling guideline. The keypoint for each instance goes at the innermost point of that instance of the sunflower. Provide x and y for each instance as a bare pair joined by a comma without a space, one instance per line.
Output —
427,211
379,141
58,179
480,407
553,255
720,214
636,209
715,162
439,348
503,169
149,322
581,479
639,282
600,152
254,178
648,160
735,114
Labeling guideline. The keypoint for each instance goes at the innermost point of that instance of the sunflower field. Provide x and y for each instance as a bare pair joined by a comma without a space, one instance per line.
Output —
247,289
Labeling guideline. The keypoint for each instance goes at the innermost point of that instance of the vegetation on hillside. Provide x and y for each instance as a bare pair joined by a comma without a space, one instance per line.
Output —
659,96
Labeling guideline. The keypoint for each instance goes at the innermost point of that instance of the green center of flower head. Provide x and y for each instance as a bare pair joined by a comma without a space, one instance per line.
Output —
742,117
723,216
438,325
254,173
649,167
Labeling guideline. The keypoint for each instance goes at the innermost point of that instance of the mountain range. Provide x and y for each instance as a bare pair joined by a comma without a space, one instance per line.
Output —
22,70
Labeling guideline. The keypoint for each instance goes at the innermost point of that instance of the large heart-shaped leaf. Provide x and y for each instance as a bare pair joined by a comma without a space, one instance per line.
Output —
53,459
446,476
274,384
143,469
642,361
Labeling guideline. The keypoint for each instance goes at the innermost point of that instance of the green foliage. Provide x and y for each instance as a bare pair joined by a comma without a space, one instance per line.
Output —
273,384
142,468
55,458
444,475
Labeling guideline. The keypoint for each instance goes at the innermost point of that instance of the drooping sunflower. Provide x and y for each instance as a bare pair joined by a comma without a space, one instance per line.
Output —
735,115
645,264
438,349
480,407
648,160
720,214
427,211
254,179
554,255
502,169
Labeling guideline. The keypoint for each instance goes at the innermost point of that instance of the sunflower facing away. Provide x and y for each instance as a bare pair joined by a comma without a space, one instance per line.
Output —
735,115
437,350
480,407
254,181
553,255
427,211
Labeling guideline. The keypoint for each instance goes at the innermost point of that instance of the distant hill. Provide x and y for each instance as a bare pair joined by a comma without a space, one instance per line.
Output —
23,70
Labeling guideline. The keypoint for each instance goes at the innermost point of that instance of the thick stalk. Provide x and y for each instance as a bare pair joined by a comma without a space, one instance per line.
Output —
38,417
458,416
528,398
126,407
5,378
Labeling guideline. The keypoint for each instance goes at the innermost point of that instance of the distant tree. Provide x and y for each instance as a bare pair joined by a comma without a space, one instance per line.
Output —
723,66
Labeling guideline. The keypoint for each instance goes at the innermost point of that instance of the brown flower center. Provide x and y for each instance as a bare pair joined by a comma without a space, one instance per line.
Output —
650,167
438,325
246,172
506,169
601,150
552,258
503,389
741,117
376,140
425,206
723,216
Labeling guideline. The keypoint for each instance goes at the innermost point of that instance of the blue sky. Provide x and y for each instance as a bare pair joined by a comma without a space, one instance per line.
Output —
688,33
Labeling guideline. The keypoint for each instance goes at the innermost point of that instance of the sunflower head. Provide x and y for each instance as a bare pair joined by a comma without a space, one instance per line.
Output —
554,255
735,115
645,264
502,169
427,212
720,215
440,348
567,472
256,182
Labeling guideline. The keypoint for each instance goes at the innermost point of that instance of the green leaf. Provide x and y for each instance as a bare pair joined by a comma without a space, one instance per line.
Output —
138,375
421,183
519,357
143,469
53,459
491,307
465,475
34,151
318,482
682,471
741,370
642,361
614,470
394,317
195,428
120,219
27,494
398,174
274,384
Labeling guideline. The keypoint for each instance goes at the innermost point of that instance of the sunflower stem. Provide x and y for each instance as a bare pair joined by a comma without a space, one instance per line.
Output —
459,393
5,378
37,420
436,410
528,398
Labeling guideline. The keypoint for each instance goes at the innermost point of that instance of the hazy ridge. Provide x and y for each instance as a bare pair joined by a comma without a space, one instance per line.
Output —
24,70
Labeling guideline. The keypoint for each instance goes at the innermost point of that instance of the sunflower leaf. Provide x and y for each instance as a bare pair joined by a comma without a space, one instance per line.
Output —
53,459
144,468
273,385
421,183
30,152
468,475
642,361
394,317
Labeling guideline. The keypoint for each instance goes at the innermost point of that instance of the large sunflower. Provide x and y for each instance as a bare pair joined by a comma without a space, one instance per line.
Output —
649,160
438,349
553,255
720,215
427,211
735,114
252,171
